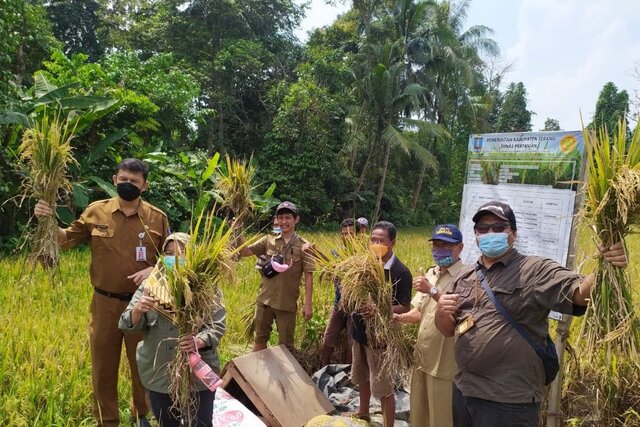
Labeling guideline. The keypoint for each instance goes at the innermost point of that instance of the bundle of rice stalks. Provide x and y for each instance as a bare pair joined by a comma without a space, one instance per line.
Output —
363,286
235,184
47,153
607,373
195,292
247,314
611,209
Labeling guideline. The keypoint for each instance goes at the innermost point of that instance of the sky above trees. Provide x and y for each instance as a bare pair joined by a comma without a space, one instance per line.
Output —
563,51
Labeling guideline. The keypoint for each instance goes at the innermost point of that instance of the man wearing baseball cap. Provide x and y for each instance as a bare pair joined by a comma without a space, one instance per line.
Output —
362,225
435,365
281,277
500,379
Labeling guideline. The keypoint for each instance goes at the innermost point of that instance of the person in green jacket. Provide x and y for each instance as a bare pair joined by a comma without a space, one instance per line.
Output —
157,348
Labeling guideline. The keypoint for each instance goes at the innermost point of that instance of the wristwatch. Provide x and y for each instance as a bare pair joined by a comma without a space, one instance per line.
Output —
433,291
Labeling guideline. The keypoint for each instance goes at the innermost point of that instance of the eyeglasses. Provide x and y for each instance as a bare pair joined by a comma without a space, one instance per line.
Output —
498,227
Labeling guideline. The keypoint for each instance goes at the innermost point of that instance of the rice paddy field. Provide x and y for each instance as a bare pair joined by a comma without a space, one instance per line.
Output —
45,376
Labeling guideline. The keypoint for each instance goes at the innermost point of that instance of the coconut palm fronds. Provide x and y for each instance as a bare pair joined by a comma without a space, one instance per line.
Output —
47,153
611,209
235,184
195,288
363,286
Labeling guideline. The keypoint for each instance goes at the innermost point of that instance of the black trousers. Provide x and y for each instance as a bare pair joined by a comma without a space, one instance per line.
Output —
161,406
474,412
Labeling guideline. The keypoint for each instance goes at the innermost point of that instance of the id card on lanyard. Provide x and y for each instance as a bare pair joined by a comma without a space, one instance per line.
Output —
141,250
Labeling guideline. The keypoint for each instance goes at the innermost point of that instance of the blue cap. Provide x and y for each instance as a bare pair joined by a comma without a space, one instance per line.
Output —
447,233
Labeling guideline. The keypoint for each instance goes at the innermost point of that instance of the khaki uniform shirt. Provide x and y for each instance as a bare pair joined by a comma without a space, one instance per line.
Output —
282,290
113,238
434,353
494,361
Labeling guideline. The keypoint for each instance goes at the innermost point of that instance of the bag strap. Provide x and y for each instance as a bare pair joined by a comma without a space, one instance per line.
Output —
288,245
503,311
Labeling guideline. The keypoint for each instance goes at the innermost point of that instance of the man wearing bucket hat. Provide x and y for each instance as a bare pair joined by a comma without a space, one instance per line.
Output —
498,313
432,376
286,264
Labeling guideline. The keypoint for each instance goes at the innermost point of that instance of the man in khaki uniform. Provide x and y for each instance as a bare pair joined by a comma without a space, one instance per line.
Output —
500,379
432,377
125,234
278,297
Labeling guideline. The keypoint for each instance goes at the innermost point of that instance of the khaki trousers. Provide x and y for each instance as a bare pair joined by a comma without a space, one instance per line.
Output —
285,323
105,340
430,401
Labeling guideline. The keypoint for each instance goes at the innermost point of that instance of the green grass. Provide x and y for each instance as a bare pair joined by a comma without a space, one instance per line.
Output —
45,374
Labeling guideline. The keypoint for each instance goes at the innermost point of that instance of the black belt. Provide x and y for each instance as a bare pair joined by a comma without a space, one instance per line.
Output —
123,297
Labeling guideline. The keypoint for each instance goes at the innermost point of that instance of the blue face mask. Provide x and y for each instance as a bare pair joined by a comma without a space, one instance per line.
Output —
170,261
443,257
276,230
493,245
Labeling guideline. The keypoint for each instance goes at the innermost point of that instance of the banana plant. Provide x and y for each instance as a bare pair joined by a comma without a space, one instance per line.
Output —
80,110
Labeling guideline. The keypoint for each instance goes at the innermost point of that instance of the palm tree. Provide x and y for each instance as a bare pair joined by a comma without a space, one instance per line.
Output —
386,101
445,60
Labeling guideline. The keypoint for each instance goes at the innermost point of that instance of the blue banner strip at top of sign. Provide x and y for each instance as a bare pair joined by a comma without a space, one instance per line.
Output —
542,142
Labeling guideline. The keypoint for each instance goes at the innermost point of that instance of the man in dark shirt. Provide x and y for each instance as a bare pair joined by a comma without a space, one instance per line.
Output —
500,379
366,370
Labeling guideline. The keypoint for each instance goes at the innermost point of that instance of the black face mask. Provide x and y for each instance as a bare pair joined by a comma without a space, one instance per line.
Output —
127,191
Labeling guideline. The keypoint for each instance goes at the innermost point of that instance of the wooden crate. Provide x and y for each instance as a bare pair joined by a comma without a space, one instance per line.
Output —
274,386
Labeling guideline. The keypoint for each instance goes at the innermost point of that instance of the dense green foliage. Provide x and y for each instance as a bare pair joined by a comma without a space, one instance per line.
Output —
514,116
551,124
611,108
369,117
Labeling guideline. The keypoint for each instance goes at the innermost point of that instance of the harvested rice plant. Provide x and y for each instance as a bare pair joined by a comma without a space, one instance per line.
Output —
603,386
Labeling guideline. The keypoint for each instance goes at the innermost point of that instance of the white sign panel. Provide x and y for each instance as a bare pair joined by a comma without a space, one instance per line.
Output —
543,217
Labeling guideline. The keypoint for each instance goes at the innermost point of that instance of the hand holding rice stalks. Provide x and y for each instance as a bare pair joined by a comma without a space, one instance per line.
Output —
235,185
365,290
195,288
47,153
611,209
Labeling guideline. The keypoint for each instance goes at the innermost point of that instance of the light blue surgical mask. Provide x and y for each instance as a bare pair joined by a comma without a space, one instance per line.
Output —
170,261
276,230
493,245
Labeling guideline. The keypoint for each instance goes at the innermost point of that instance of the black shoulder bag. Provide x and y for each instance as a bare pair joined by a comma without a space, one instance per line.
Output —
267,269
548,355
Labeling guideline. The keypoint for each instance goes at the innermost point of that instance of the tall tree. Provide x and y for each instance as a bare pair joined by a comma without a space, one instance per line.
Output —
611,107
75,24
514,116
217,32
551,124
34,39
445,59
10,21
385,100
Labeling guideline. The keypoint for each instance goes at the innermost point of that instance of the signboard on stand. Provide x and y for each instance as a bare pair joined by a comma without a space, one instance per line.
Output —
537,174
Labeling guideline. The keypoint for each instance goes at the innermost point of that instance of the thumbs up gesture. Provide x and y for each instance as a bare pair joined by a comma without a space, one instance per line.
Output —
145,303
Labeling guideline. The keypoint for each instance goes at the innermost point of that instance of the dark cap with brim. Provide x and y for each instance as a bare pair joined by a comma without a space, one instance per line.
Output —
287,206
499,209
447,233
